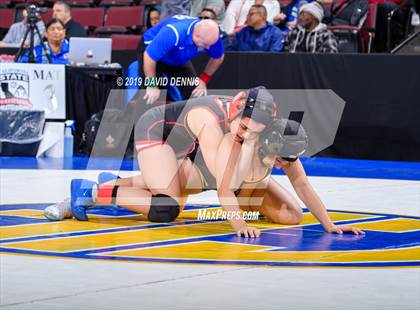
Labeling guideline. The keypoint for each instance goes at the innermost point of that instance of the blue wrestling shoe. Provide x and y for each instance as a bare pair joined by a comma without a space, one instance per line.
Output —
81,198
104,177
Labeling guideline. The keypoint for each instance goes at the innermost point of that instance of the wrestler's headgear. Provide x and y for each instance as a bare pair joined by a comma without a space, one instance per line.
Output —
284,138
259,106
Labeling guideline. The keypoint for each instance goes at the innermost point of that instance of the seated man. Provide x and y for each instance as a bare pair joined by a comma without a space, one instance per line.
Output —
311,35
62,11
16,33
237,11
216,6
57,45
259,35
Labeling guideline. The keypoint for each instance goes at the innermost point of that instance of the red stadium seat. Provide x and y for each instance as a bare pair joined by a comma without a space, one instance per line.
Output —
369,25
150,2
16,2
126,17
110,3
49,3
349,38
107,31
5,3
37,2
121,19
125,42
47,16
7,17
89,18
81,3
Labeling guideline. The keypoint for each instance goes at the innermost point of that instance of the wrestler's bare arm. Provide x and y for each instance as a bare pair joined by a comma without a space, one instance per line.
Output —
303,188
227,182
299,180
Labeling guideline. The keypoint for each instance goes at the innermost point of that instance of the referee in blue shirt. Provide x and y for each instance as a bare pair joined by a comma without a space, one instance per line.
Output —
169,47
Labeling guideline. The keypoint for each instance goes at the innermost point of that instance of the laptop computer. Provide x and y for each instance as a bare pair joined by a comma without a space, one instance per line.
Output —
90,50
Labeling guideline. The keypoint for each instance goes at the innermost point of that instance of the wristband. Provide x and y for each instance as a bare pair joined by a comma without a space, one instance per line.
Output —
205,77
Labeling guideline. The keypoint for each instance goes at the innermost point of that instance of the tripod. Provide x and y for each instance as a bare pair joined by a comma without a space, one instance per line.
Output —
32,29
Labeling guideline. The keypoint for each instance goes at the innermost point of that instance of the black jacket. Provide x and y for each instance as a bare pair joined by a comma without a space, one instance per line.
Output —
74,29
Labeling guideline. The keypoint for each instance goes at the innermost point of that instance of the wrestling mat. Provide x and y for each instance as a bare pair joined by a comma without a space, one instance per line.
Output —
120,235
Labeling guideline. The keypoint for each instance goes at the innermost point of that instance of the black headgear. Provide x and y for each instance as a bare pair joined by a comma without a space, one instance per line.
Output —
284,138
259,106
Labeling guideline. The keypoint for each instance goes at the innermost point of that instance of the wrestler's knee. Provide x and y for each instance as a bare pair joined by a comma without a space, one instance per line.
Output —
286,215
163,209
297,215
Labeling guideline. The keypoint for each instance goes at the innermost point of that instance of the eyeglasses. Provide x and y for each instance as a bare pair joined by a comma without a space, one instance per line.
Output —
252,13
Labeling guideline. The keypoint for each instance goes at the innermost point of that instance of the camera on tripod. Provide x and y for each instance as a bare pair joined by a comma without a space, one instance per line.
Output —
33,17
33,13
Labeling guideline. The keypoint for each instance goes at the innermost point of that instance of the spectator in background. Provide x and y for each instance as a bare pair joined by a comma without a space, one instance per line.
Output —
208,13
259,35
287,19
217,6
153,17
62,11
175,7
237,11
57,45
16,33
311,35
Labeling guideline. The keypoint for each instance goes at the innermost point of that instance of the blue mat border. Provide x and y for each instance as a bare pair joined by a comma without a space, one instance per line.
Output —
329,167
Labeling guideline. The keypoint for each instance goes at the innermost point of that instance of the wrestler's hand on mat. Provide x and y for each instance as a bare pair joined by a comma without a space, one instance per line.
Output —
152,94
248,232
344,228
200,90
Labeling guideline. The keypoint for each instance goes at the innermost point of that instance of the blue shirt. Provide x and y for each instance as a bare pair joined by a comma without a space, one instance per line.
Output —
41,58
267,39
131,90
171,41
293,11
